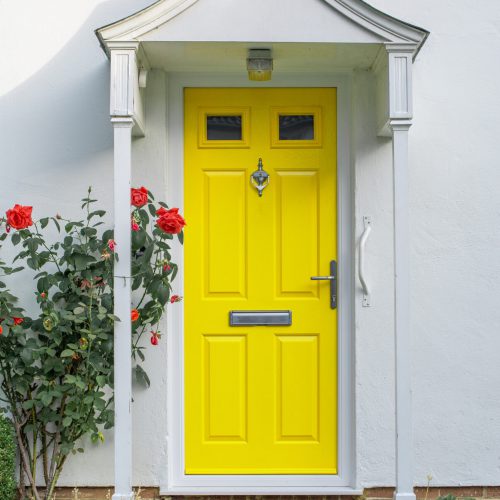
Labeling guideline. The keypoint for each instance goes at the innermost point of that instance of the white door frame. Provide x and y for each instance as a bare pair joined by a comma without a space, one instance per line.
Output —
174,481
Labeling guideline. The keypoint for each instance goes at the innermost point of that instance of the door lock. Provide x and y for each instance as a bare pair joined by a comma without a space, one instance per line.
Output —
333,283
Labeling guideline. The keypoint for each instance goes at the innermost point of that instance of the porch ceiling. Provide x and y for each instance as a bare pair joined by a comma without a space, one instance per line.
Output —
230,57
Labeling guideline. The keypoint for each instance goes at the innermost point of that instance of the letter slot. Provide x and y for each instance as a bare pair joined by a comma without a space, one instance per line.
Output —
260,318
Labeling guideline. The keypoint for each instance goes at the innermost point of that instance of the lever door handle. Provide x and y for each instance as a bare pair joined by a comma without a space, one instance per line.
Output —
333,283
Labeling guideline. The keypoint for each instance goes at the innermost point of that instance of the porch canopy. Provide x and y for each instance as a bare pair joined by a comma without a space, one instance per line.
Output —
305,36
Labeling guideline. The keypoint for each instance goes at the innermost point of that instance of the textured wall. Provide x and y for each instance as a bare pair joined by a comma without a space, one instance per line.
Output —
455,240
56,139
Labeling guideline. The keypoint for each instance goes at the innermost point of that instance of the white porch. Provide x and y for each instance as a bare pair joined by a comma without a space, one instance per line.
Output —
342,43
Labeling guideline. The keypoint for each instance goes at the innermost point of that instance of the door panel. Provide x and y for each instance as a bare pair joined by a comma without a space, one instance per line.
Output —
261,399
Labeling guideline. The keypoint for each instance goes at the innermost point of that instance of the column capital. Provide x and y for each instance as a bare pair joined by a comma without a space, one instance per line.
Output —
122,121
407,48
400,125
122,46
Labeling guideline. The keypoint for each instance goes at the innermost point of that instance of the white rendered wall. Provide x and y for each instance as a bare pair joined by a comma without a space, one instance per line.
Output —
56,139
455,240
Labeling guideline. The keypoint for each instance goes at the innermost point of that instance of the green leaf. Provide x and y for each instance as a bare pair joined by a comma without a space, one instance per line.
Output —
175,269
180,236
107,235
90,232
67,421
96,213
163,294
27,356
16,238
144,215
138,239
152,209
136,282
141,376
27,405
100,404
42,284
32,244
33,263
81,261
67,353
46,398
78,310
56,224
44,222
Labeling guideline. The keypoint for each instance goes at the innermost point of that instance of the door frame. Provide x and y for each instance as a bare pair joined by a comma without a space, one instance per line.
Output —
173,480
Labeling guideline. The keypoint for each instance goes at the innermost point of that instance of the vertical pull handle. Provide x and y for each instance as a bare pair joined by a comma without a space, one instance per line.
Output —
333,283
361,264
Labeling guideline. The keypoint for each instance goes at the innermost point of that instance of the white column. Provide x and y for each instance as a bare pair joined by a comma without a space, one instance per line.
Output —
123,328
404,433
400,116
123,79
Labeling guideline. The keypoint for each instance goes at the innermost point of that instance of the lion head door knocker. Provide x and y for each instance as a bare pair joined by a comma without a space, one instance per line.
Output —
260,178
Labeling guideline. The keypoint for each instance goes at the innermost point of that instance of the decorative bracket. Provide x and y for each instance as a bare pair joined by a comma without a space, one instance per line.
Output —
393,68
126,99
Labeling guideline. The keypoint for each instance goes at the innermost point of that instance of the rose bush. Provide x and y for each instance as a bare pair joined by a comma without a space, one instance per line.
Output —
56,368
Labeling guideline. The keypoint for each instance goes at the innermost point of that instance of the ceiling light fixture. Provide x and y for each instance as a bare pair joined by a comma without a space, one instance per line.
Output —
259,65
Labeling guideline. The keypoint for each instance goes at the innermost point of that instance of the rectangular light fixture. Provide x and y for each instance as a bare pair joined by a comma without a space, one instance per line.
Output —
259,64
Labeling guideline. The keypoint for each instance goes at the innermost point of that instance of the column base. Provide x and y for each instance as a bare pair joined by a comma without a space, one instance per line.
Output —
404,496
123,496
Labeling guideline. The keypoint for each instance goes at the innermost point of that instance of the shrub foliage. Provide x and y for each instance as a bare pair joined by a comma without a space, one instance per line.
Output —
56,368
7,460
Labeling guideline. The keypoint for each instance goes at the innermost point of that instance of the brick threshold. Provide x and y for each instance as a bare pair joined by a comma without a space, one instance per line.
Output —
381,493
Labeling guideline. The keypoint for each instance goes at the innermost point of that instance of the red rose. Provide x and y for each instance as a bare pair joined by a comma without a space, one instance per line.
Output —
175,298
19,217
138,197
112,245
18,321
135,226
154,338
1,329
134,315
170,221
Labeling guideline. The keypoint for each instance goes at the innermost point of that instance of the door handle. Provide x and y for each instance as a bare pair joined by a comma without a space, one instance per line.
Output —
333,283
361,265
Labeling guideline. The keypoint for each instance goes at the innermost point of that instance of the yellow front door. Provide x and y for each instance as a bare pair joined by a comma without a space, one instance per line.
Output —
260,399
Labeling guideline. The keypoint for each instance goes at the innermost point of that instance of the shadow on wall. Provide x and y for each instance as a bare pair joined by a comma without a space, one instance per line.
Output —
60,116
